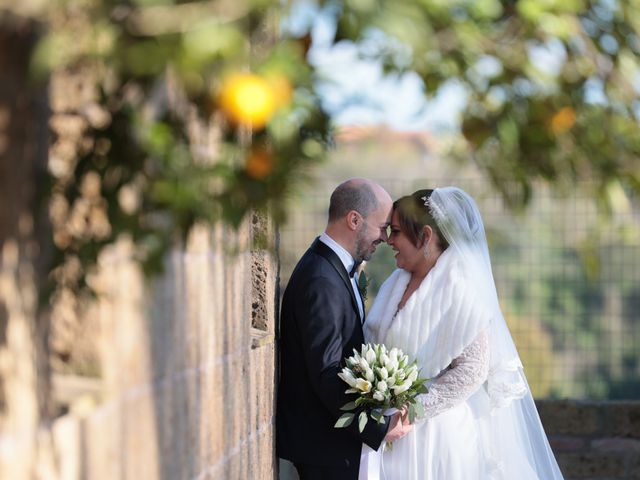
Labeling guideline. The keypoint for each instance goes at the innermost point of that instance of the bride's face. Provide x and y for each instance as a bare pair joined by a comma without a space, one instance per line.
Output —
408,256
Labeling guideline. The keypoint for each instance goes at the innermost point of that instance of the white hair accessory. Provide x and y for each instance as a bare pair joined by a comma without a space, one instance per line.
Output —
434,209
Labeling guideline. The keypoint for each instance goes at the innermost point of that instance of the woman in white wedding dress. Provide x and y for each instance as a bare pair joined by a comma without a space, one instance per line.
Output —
440,307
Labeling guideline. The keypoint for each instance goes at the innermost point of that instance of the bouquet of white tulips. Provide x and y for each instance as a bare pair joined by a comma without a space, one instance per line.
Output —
383,379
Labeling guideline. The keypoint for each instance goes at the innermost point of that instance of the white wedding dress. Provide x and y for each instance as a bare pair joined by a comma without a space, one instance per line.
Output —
480,421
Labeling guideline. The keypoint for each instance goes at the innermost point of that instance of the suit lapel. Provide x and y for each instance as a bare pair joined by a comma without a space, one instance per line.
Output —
364,313
325,251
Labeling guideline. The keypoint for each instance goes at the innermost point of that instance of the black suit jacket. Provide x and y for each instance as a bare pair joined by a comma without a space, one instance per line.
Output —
319,327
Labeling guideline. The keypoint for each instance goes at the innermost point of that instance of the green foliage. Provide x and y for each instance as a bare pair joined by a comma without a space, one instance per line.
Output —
363,285
345,420
363,418
169,142
552,86
552,92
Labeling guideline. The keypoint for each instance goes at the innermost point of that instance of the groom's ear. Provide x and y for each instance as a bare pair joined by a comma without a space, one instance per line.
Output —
353,219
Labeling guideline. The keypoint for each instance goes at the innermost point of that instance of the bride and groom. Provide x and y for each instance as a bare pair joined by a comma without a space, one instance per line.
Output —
441,308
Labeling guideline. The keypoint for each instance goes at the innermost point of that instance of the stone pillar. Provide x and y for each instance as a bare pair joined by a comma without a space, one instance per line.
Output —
24,382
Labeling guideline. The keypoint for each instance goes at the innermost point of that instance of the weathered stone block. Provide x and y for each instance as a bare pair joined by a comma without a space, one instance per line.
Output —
567,444
67,439
139,431
569,417
623,419
634,467
616,444
581,465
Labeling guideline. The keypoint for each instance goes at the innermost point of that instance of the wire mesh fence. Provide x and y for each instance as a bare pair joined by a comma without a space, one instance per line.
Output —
568,279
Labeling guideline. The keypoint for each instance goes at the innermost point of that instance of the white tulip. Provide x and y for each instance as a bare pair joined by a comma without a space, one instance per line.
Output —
382,386
403,387
403,361
370,356
378,396
391,381
384,359
392,366
368,374
393,354
347,376
382,373
364,365
363,385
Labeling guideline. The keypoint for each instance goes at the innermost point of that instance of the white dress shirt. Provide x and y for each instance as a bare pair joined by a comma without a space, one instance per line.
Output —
348,261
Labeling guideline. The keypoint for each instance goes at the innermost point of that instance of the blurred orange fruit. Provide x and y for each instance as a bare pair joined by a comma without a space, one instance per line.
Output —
563,120
248,99
260,163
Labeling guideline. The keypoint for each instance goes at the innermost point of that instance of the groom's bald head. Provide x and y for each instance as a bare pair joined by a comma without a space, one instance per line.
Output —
359,212
359,194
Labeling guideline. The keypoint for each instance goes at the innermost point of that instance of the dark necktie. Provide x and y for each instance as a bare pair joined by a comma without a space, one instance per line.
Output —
354,269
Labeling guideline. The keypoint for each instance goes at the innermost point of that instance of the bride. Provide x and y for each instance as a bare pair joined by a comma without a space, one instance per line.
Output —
440,307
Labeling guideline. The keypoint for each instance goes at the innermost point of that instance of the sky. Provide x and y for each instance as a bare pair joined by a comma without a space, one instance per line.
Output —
356,92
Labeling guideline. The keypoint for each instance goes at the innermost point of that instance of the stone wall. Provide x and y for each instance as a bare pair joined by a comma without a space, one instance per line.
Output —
594,440
187,390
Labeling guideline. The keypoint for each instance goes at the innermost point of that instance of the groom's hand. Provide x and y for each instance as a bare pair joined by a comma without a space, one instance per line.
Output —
397,428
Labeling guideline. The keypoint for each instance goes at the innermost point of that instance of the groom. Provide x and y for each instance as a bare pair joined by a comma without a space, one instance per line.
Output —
320,325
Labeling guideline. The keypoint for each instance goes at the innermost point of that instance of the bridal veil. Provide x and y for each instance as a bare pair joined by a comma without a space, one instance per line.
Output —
511,431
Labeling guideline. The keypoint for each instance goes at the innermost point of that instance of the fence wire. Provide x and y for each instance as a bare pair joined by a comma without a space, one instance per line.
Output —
568,279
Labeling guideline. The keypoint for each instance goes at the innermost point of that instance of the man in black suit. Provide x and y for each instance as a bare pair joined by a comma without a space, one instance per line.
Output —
320,325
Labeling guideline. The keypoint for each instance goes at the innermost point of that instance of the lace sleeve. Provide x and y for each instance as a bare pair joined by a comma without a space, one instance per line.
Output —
466,373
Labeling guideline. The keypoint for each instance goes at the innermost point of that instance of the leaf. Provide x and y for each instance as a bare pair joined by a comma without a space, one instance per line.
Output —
378,417
422,389
362,421
348,406
363,284
412,413
345,420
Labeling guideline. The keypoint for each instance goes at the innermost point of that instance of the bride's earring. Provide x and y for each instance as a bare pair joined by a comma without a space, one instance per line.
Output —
426,239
